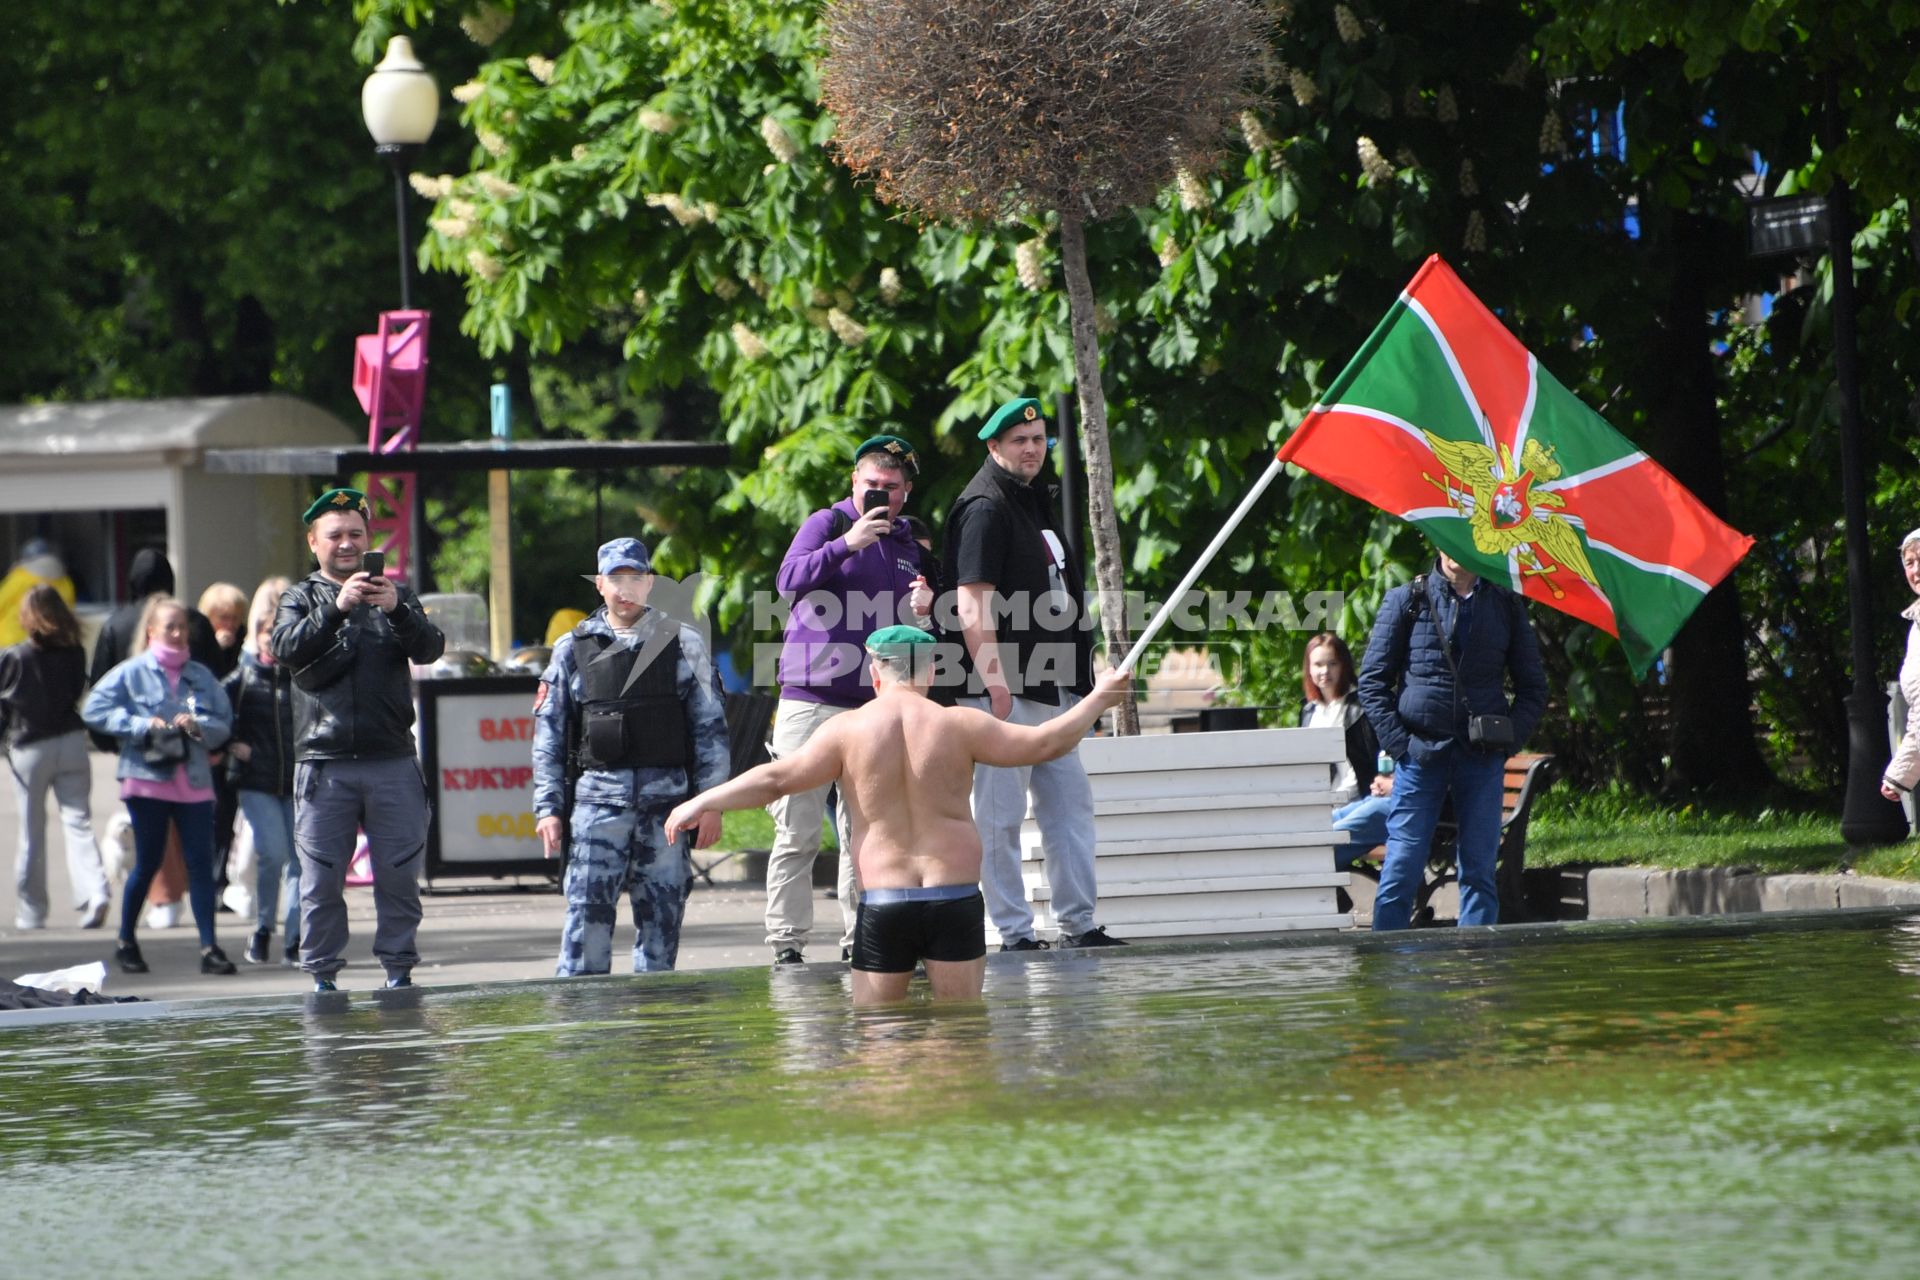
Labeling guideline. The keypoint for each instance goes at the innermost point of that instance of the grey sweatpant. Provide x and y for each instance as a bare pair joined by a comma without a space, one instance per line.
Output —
331,800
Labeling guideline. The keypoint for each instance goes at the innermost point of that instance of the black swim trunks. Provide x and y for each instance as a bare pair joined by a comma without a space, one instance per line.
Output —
894,929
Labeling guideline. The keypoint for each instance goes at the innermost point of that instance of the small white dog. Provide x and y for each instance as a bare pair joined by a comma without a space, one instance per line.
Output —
116,850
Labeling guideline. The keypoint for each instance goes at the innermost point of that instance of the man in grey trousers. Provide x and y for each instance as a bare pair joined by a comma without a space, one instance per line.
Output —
348,636
1029,659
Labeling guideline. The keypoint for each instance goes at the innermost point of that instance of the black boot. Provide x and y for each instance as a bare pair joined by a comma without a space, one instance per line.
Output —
127,956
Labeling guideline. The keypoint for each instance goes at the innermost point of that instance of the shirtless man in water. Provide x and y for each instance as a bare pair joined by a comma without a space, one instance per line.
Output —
905,767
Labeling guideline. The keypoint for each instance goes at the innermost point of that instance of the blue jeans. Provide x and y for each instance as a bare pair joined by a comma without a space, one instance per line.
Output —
1365,822
150,819
1419,787
271,818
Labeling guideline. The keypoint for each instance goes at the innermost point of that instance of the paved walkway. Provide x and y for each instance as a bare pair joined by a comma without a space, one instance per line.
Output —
474,931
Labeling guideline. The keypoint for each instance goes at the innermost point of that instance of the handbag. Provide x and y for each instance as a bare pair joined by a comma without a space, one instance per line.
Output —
164,746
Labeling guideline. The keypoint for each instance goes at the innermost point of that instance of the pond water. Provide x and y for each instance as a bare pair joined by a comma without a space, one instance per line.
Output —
1639,1100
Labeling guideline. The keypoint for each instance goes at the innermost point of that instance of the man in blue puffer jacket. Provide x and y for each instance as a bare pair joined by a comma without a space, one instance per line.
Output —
1441,651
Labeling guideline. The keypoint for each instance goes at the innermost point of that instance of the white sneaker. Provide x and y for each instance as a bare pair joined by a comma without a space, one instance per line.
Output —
23,922
94,914
163,915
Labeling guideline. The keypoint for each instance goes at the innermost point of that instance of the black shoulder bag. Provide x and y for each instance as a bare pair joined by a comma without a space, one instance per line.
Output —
1487,733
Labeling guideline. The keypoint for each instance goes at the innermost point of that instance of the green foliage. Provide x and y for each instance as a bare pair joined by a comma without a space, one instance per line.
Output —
647,257
193,207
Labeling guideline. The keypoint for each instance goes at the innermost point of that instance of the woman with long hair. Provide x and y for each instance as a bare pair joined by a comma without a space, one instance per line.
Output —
1362,791
166,710
41,680
261,773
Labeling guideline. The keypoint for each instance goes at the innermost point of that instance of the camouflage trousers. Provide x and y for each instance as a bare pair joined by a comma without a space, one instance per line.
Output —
614,850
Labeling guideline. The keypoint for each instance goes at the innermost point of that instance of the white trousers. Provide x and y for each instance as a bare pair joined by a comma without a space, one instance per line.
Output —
796,837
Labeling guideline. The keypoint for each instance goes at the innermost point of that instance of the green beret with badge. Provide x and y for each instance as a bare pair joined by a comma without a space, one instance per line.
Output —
897,641
893,447
1011,414
336,500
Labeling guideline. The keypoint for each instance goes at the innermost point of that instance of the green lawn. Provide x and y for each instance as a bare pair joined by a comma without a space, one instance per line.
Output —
1615,827
753,829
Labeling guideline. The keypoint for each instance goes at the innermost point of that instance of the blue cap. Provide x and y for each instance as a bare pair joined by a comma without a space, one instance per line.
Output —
625,553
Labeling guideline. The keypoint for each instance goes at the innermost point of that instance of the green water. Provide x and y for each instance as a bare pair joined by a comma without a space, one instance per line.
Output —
1603,1102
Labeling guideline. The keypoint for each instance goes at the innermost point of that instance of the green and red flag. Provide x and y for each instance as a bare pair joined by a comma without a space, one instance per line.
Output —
1445,420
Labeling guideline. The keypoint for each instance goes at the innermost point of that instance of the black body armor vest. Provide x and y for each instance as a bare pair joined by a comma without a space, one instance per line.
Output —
628,719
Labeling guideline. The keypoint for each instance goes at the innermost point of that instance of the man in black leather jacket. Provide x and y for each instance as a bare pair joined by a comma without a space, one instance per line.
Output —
348,637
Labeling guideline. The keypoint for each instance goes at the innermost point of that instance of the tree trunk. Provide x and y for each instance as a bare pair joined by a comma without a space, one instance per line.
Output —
1103,527
1713,745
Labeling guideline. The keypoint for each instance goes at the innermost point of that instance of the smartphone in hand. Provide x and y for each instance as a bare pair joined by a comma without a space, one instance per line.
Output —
374,564
872,500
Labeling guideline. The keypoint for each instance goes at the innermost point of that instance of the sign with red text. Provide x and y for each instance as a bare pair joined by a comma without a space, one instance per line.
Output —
482,776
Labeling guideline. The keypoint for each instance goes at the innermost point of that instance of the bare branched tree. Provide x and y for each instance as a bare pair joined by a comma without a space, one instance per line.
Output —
987,110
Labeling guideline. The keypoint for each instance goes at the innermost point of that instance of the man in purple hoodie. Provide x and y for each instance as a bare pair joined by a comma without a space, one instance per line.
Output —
853,568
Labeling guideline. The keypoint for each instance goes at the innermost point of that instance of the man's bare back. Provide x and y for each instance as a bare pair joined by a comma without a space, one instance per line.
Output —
905,768
905,776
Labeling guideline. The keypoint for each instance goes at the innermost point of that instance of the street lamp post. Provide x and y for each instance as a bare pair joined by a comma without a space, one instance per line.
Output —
400,104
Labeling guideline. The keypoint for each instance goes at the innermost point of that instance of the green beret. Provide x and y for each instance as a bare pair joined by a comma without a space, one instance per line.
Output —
336,500
1010,414
892,445
897,640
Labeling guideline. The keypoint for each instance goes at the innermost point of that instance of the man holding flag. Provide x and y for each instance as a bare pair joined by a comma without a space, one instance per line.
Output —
1433,687
1444,419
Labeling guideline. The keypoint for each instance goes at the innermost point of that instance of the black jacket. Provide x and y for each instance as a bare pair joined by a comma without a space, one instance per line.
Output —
40,689
353,694
1407,683
262,698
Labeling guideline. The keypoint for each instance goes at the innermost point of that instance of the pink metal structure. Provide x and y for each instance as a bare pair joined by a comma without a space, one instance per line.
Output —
390,380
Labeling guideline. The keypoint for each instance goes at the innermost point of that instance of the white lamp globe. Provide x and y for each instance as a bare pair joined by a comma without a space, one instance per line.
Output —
400,101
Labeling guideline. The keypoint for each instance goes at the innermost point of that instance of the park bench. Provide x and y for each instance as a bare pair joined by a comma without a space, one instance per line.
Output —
1527,775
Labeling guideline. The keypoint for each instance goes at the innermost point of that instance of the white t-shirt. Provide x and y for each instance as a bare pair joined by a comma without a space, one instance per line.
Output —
1333,715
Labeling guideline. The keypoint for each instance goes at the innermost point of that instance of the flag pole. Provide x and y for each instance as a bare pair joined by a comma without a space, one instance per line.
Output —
1219,539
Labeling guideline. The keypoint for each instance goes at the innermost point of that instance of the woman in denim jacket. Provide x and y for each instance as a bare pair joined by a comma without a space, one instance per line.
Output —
166,711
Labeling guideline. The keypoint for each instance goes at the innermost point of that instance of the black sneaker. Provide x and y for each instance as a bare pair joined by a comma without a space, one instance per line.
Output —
127,956
214,960
1091,938
291,956
322,985
788,955
846,953
397,980
1027,944
257,947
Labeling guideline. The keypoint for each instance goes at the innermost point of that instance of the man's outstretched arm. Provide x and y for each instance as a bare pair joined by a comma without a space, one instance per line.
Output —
814,765
995,742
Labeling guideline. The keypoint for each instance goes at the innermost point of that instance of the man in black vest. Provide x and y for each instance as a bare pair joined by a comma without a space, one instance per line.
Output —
628,713
1029,658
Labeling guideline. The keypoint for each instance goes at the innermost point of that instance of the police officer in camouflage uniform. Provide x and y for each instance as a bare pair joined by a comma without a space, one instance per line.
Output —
628,715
